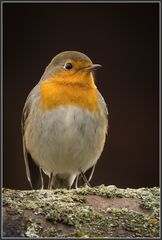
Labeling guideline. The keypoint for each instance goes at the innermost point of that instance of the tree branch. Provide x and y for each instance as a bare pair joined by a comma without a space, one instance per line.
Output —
84,212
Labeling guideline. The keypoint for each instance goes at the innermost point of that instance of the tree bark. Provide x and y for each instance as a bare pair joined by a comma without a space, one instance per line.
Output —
101,211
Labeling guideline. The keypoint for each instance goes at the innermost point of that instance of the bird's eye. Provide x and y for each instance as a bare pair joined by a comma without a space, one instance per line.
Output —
68,66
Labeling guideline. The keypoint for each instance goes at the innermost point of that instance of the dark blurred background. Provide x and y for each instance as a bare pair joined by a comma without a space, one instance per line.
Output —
124,38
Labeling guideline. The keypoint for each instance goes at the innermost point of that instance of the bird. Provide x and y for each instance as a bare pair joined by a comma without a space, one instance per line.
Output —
64,123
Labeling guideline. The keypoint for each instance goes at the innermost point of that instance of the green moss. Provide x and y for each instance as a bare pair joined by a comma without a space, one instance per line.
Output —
33,229
75,216
69,207
51,232
79,234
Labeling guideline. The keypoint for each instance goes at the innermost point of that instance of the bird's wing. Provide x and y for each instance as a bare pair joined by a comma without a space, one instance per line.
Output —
104,109
33,172
103,104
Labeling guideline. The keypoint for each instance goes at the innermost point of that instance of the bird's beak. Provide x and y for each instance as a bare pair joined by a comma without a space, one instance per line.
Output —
92,67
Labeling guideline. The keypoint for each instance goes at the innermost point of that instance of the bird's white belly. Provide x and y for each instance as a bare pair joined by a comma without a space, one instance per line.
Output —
66,139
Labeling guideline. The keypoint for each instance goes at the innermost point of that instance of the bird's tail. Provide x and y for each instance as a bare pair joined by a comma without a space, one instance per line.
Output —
62,181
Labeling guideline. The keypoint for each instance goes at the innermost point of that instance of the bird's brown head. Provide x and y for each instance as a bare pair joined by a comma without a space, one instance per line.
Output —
71,67
67,80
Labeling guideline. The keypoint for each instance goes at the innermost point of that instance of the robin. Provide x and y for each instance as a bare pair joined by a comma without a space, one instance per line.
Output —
64,122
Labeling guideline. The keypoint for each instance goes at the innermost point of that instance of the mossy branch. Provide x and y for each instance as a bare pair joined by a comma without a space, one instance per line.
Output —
84,212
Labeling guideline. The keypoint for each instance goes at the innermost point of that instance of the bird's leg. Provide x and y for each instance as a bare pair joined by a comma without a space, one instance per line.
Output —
85,179
92,172
50,182
42,180
76,181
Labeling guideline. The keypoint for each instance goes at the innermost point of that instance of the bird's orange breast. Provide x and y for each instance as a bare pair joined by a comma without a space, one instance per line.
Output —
60,93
